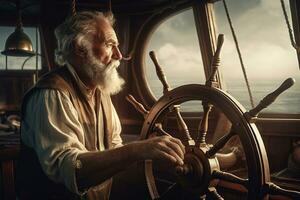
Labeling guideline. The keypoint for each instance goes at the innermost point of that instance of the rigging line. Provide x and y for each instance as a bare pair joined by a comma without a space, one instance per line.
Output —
109,6
73,7
36,55
289,27
239,53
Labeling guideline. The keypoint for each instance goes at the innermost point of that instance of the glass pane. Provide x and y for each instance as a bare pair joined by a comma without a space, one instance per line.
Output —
175,43
267,53
15,63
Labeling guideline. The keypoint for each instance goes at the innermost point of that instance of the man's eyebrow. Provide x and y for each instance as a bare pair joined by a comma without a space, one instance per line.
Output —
110,40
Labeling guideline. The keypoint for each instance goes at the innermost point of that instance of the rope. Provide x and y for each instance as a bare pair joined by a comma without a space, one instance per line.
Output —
239,54
73,7
289,27
19,17
109,6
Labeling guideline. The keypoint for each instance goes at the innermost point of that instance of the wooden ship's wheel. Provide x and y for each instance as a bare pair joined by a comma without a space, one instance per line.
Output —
203,166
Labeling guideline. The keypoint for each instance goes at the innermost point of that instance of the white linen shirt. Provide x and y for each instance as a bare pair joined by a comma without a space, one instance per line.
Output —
51,127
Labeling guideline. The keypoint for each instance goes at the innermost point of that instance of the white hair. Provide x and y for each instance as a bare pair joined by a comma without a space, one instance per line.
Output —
79,28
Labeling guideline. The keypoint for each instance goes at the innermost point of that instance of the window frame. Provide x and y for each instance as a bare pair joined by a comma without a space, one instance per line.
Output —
204,17
206,39
295,13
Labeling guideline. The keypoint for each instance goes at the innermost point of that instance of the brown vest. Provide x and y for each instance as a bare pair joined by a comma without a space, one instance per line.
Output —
31,180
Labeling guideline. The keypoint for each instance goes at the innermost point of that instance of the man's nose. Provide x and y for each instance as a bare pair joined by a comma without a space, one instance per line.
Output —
117,54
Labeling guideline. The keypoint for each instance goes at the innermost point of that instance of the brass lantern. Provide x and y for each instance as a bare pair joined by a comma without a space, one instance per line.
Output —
18,43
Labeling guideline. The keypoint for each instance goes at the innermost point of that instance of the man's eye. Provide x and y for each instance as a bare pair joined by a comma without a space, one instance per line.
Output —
109,44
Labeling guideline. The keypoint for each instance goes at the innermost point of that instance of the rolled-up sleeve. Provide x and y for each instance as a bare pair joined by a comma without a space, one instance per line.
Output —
52,128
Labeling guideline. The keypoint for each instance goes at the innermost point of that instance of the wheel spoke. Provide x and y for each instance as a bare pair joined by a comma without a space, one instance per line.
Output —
213,194
203,126
188,140
269,99
220,144
137,105
276,190
230,177
160,73
158,128
212,80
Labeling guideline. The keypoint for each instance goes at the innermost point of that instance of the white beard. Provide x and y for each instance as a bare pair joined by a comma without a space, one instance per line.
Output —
104,76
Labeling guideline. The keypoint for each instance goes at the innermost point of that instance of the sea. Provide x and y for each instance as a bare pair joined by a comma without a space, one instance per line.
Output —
287,103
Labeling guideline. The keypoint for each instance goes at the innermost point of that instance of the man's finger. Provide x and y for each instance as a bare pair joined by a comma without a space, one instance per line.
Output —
175,147
164,148
171,158
177,141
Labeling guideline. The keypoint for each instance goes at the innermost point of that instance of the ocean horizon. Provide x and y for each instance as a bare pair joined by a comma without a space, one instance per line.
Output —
287,102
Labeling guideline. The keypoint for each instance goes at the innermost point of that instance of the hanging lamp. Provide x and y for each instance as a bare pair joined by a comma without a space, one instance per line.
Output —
18,43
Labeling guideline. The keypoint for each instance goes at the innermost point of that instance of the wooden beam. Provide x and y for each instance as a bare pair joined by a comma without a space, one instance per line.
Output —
295,12
206,33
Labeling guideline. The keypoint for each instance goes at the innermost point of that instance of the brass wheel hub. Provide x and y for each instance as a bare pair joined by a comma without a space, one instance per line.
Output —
195,174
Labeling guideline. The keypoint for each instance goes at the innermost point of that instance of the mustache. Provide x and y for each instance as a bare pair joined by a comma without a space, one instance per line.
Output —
112,65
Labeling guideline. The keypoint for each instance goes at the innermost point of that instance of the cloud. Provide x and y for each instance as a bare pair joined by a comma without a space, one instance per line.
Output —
264,61
181,58
263,40
180,63
176,49
181,25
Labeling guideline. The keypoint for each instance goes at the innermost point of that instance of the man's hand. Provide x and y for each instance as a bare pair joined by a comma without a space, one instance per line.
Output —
162,148
98,166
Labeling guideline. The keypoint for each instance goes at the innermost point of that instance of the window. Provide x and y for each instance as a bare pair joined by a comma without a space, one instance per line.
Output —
267,53
176,45
15,63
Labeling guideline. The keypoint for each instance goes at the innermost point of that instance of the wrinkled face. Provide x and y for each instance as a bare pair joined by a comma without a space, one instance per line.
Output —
102,60
105,44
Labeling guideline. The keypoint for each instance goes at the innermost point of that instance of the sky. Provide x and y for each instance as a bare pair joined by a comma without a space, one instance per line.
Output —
263,36
264,42
261,32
